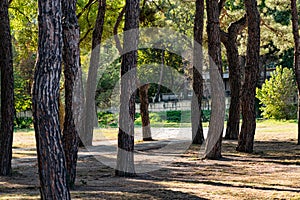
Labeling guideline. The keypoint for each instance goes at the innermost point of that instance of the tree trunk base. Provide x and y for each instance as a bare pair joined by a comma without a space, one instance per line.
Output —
148,139
243,149
124,174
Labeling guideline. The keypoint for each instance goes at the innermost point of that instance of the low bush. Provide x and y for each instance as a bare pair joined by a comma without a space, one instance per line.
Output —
23,122
107,119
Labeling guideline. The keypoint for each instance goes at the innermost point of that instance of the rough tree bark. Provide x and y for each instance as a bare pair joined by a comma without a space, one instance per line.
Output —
230,42
214,140
246,137
295,20
7,91
91,84
51,158
197,129
125,158
73,84
146,129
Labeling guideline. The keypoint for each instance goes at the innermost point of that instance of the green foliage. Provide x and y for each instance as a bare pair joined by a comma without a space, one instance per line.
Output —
22,96
278,95
205,115
107,119
165,117
23,122
106,85
283,17
287,58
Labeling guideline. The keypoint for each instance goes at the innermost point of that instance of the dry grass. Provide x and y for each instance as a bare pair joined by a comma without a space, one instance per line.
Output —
271,172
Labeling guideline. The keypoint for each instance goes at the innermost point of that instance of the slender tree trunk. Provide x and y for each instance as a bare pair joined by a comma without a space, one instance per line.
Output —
125,158
230,41
161,75
197,129
117,24
90,111
73,74
246,137
295,19
146,129
51,158
7,91
214,141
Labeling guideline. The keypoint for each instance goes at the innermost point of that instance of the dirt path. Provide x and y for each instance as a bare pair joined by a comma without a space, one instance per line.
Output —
271,172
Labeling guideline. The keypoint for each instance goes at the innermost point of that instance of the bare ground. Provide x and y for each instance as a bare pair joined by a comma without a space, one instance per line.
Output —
271,172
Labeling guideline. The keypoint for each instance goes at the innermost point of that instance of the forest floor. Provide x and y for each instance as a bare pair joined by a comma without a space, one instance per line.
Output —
271,172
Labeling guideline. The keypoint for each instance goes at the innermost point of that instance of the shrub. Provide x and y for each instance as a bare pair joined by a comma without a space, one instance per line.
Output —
205,115
278,95
106,119
23,122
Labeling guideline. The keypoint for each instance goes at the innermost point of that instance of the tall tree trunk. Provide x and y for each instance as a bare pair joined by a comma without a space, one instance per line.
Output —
246,137
161,75
295,20
90,108
73,97
125,157
230,42
143,91
197,129
145,112
7,91
51,158
214,139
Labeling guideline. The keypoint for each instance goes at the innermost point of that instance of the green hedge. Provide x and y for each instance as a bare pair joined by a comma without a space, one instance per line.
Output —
23,123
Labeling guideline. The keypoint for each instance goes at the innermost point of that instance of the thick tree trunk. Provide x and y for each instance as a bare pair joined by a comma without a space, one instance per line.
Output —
230,42
146,129
246,137
73,74
51,158
197,129
214,141
90,111
7,91
295,19
125,157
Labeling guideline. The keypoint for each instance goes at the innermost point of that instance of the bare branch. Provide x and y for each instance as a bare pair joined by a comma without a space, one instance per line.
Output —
85,35
262,22
87,6
22,13
117,24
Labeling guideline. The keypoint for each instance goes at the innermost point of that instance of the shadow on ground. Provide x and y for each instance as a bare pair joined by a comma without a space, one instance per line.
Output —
271,171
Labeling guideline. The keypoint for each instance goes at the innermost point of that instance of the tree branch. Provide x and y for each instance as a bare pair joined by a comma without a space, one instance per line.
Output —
144,4
157,6
117,24
221,5
85,35
234,29
237,26
22,13
85,7
269,27
224,37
